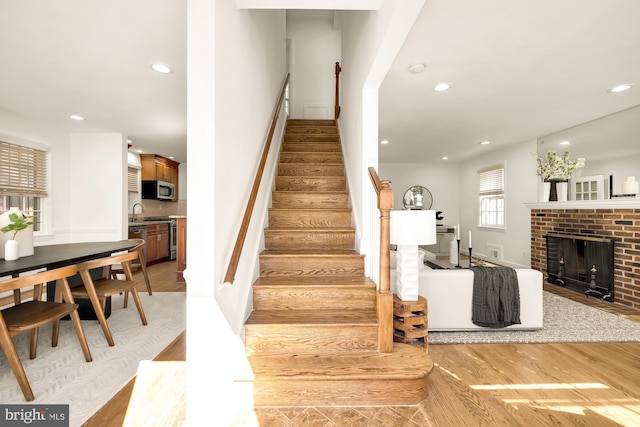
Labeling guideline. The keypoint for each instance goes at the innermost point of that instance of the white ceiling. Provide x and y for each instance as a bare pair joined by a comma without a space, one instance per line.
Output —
519,70
92,58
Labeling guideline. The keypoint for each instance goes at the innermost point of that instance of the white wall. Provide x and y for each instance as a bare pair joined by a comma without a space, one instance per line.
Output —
441,179
249,74
370,41
521,186
236,66
97,207
314,50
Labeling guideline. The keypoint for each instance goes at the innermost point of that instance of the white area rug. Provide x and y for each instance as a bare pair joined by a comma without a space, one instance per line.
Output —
564,321
60,375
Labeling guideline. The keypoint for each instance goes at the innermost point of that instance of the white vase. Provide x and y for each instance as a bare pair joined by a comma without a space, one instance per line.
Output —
11,250
630,186
24,237
453,252
563,190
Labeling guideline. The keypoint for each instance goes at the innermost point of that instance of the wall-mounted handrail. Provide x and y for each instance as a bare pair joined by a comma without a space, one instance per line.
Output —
384,300
337,109
246,219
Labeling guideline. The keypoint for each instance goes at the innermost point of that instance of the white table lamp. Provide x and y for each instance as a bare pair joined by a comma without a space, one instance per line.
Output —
408,229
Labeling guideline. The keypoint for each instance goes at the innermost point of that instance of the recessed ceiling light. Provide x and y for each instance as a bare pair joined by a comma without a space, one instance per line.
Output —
161,68
441,87
384,142
445,158
565,143
171,157
485,142
620,88
417,68
139,151
76,117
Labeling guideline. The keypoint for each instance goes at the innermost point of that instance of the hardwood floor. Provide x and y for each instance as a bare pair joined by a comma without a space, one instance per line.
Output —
581,384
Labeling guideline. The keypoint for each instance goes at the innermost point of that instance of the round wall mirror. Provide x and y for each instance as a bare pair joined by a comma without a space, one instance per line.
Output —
417,197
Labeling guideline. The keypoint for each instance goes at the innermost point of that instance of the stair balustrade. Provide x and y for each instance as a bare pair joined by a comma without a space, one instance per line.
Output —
384,306
246,219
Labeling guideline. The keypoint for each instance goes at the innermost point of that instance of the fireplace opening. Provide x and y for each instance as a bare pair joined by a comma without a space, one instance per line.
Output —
581,263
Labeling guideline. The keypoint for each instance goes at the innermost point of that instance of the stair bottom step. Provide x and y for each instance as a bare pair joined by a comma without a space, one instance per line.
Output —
352,379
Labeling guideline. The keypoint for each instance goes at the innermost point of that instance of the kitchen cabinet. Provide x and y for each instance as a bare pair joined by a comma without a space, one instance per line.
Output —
158,168
181,249
157,242
444,235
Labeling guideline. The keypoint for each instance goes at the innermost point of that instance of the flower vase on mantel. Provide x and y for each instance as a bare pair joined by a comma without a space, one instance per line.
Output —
556,194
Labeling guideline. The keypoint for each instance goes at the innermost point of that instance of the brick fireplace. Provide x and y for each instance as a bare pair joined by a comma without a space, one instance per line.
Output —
622,225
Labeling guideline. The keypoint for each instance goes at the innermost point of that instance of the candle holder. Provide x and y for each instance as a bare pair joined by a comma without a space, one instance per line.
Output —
470,258
458,265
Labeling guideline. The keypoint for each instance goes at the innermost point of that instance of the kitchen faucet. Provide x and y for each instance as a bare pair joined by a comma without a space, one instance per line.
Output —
133,211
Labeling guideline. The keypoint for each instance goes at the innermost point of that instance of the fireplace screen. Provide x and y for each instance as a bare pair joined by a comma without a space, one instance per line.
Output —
581,263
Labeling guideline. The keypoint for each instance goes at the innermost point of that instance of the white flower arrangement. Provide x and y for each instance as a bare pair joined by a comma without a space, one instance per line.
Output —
557,167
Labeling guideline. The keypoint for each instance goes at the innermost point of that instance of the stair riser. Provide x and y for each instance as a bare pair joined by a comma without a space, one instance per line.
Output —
308,130
320,298
327,157
310,147
289,169
295,183
303,219
283,265
311,122
297,200
331,392
288,239
310,338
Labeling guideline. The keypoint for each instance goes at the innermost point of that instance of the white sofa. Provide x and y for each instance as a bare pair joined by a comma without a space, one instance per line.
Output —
449,295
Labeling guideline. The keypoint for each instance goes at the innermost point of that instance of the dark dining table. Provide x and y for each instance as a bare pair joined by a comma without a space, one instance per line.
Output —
61,255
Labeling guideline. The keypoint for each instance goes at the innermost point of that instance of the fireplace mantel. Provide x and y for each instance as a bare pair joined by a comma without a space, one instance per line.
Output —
622,203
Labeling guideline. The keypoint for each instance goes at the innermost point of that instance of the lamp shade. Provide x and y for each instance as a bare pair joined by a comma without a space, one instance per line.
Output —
413,227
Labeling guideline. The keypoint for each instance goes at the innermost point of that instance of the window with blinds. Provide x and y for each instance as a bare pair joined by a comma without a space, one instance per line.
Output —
132,180
491,195
23,179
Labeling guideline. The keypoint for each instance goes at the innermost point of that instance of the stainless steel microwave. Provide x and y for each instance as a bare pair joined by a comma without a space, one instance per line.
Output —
158,190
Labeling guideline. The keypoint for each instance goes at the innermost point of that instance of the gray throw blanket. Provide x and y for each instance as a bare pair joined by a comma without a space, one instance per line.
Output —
496,297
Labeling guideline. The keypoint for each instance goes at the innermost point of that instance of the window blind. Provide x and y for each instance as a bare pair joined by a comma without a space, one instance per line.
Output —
132,180
23,171
492,181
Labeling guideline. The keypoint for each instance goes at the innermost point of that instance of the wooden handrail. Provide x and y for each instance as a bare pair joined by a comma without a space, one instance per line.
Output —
337,109
384,300
246,219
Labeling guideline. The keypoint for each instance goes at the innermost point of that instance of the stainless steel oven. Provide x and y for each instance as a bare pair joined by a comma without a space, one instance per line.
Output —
172,239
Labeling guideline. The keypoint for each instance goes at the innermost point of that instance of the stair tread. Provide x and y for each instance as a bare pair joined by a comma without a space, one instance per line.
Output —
324,317
406,361
311,230
313,192
317,252
340,210
323,281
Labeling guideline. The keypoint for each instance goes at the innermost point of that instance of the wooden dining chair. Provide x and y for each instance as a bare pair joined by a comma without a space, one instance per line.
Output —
138,265
97,291
30,315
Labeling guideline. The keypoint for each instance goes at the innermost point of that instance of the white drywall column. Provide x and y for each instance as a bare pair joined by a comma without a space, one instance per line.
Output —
98,187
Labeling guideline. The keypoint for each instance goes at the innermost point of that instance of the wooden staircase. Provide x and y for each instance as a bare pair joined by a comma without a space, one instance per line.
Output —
311,339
